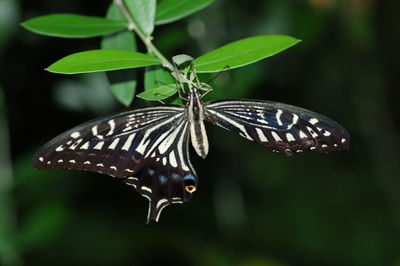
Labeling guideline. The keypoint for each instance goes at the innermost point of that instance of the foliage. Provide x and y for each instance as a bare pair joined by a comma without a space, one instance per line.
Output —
141,18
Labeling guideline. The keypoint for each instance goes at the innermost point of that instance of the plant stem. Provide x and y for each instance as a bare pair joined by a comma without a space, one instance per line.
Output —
147,40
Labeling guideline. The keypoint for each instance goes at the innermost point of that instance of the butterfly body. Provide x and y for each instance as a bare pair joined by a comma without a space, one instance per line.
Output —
195,112
149,148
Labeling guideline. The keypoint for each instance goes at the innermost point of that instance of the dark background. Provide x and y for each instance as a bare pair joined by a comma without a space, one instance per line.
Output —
252,207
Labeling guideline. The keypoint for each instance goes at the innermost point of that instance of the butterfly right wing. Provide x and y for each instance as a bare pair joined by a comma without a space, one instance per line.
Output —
167,175
147,147
114,145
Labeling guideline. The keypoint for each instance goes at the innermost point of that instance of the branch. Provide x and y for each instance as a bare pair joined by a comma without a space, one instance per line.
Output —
147,40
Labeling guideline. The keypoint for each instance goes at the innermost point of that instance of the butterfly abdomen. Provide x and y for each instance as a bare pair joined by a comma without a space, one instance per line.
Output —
198,134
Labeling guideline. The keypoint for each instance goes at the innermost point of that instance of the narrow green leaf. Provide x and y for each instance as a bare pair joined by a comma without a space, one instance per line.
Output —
123,82
101,60
243,52
158,94
143,13
173,10
156,76
72,26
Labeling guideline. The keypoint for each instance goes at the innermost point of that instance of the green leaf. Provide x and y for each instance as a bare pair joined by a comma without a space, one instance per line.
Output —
173,10
123,82
243,52
158,94
143,13
101,60
72,26
156,76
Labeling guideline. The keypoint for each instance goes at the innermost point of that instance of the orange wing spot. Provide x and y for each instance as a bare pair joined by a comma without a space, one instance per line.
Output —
190,188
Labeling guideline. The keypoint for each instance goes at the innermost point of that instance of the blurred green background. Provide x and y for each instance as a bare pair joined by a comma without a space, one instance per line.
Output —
253,207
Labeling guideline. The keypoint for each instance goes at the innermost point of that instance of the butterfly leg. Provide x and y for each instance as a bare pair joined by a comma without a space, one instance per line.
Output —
206,88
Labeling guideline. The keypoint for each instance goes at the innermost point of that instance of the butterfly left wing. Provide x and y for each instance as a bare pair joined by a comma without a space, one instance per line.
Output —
146,147
281,127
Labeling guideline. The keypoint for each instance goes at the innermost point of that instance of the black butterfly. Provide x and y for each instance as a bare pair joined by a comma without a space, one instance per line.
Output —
149,148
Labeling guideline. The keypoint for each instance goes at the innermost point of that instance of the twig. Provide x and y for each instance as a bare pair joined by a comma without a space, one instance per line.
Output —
147,40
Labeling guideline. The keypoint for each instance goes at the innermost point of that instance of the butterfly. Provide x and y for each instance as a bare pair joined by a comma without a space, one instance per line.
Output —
148,148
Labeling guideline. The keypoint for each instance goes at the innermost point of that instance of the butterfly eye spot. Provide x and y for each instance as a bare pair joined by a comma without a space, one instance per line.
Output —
189,182
190,188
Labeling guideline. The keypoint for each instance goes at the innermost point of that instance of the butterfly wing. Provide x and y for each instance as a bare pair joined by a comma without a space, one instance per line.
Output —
146,147
283,128
167,175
